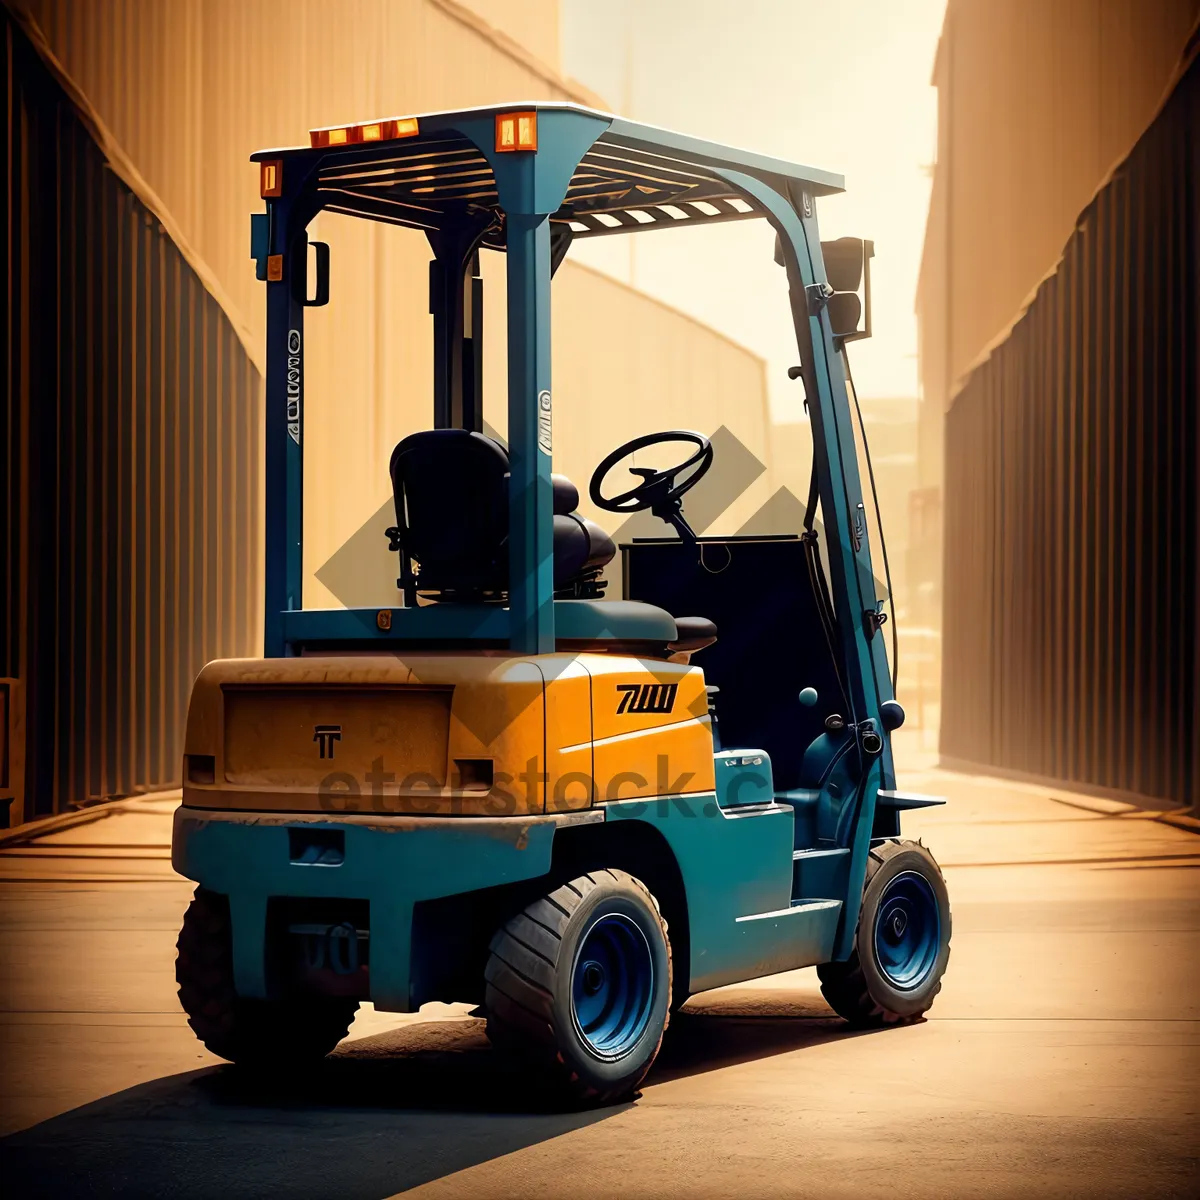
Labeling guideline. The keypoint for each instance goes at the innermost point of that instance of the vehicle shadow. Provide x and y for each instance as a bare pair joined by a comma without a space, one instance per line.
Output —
384,1113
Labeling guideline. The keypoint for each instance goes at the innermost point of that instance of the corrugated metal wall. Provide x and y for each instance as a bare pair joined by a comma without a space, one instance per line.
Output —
131,465
1036,102
1071,643
190,88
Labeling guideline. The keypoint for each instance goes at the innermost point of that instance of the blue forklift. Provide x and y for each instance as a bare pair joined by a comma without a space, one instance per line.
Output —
507,788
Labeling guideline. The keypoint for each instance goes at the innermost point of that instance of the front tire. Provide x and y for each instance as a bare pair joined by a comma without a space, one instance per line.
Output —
579,985
262,1034
902,943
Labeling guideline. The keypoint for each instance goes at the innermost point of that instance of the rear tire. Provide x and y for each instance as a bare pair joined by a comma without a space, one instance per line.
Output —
901,945
262,1034
579,985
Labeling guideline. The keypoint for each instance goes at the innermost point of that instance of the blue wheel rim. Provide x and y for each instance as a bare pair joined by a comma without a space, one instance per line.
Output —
908,931
612,986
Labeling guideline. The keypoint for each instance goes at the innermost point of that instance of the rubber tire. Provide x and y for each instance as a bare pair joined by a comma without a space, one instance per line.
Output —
266,1034
857,989
528,987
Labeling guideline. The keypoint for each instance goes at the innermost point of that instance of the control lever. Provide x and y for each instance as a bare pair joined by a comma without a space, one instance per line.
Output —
798,373
711,692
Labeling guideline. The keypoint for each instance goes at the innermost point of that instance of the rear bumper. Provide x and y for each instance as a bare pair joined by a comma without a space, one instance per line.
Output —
392,863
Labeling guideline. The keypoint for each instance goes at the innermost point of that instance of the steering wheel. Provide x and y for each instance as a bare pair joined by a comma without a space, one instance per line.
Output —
658,490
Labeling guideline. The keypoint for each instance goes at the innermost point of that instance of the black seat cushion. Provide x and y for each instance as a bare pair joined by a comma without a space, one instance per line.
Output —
451,494
566,495
580,545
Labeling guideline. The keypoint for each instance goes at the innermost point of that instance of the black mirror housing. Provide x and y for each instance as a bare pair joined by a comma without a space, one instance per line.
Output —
845,312
848,270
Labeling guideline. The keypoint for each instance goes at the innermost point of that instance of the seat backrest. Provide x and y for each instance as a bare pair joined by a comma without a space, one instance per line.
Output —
451,491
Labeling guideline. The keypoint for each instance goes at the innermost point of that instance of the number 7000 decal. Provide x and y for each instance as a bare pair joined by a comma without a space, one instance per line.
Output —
647,697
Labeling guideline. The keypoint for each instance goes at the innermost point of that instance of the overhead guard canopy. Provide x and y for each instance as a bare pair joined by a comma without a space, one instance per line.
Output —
634,177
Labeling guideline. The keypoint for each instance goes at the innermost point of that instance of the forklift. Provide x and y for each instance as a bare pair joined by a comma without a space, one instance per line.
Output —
508,789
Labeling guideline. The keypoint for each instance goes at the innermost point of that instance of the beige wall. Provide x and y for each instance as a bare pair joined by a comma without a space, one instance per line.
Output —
534,24
189,88
624,366
1037,101
891,427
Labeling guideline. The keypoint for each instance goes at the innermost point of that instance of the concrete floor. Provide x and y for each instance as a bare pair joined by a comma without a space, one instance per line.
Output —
1062,1058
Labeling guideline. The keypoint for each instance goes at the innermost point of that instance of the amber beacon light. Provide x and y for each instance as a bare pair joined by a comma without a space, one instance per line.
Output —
271,178
516,131
385,130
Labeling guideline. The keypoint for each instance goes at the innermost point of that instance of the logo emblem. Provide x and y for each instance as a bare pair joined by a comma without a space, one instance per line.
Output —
325,736
544,422
293,385
647,697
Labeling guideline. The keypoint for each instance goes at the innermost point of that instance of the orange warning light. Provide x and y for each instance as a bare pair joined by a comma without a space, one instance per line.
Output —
516,131
369,131
270,178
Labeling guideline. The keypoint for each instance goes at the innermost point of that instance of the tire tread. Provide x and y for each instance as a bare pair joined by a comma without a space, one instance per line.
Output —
519,994
844,984
254,1032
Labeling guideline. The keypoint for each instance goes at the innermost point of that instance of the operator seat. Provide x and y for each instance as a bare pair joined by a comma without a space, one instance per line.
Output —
451,494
